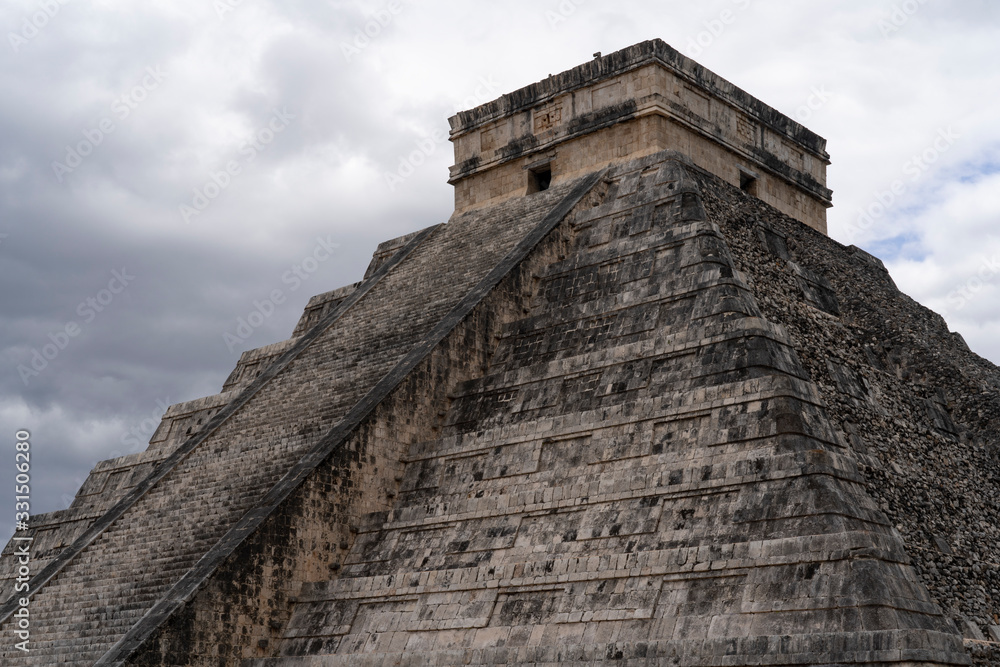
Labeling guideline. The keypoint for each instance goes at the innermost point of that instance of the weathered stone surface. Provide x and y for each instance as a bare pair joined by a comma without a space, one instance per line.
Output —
119,577
641,417
920,411
635,102
646,472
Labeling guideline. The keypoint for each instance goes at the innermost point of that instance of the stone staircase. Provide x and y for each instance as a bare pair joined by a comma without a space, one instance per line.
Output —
96,590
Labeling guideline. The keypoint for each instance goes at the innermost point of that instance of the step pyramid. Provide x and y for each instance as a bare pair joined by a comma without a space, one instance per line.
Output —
640,416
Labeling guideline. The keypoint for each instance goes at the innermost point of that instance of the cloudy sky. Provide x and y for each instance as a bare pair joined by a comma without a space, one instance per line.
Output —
166,166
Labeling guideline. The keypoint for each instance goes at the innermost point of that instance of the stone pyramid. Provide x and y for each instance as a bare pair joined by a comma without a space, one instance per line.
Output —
630,405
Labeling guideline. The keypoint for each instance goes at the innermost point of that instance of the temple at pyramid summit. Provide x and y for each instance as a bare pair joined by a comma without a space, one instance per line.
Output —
629,405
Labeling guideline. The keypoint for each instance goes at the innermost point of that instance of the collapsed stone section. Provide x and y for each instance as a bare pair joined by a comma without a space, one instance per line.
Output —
645,473
919,410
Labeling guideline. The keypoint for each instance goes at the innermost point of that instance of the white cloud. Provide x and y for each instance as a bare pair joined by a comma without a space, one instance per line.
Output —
955,268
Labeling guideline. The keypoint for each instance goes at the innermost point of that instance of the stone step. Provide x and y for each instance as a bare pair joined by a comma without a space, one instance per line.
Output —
866,647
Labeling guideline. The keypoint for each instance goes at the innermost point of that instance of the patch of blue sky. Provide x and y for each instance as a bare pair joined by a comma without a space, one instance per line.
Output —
985,164
906,246
981,171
